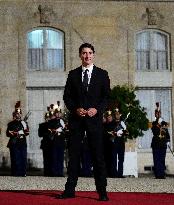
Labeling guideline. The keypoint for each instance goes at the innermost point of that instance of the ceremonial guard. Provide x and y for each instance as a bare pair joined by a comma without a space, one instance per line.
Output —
118,145
17,130
56,127
45,144
109,125
159,143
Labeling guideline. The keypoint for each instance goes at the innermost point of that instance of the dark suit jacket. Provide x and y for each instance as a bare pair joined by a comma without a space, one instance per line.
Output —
98,91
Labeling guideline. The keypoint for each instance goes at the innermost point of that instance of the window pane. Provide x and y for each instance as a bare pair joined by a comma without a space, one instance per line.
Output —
142,60
142,51
159,41
159,49
55,58
143,41
35,39
55,39
35,59
162,60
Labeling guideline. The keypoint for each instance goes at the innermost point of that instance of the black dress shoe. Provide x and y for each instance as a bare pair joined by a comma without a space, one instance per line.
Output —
120,176
103,197
160,177
65,195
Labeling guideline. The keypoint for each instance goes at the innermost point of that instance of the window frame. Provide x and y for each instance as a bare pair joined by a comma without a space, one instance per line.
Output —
46,48
151,61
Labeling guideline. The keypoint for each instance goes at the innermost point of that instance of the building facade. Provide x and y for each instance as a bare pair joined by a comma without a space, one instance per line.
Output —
39,46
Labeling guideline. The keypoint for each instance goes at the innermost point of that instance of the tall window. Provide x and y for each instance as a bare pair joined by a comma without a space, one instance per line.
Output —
45,49
152,50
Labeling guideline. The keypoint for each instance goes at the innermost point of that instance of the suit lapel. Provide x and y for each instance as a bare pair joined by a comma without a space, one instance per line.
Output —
79,76
93,79
79,79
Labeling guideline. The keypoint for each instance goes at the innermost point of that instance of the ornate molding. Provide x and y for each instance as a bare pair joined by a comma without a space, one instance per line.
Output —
46,14
153,16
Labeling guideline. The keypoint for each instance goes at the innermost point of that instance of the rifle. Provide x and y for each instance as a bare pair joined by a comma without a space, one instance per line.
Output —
120,127
170,150
27,116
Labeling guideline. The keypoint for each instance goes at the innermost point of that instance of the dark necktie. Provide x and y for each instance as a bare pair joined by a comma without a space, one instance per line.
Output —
85,79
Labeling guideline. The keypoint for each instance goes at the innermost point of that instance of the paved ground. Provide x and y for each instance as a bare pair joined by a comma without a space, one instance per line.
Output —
128,184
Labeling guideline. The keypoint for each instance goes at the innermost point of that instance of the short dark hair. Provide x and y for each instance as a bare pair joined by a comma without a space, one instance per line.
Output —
86,45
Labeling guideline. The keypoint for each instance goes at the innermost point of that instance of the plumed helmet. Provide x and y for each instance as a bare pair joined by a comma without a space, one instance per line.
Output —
108,113
17,108
57,108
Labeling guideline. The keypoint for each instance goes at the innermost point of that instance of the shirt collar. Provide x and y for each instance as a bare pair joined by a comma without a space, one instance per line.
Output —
90,68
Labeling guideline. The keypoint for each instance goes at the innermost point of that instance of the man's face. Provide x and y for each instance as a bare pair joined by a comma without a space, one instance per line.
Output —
17,116
87,56
58,114
109,118
117,116
157,115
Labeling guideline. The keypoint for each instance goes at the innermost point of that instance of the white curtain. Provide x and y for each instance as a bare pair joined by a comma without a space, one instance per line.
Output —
143,51
159,51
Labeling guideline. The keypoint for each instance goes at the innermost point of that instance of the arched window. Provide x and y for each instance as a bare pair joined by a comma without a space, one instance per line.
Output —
152,50
45,49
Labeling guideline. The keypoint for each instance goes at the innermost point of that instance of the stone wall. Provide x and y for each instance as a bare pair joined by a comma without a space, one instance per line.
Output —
109,25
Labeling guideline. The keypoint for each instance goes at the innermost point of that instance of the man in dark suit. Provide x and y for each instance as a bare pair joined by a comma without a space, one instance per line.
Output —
86,96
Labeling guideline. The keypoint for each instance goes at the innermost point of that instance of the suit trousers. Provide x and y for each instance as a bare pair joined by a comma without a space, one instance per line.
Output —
94,132
159,155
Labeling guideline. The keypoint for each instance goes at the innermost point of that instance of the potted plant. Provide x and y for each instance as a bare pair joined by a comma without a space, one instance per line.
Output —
135,117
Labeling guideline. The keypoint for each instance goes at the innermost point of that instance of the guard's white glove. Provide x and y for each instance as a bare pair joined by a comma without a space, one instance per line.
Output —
21,132
168,143
119,133
59,129
160,120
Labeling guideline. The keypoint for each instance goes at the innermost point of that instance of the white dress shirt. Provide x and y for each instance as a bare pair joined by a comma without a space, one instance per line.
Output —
90,69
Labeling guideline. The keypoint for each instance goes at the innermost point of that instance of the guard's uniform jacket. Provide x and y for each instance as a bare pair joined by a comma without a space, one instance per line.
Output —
17,130
157,141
